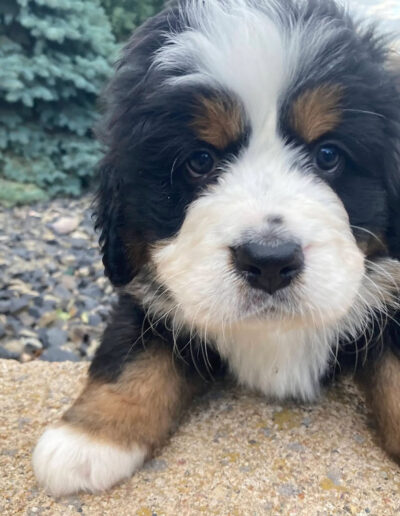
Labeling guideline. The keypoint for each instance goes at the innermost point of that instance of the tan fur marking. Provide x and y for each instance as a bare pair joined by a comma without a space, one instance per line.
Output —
316,112
382,387
218,121
142,407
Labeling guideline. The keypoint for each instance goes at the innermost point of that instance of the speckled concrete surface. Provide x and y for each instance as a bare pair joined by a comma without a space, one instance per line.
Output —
235,454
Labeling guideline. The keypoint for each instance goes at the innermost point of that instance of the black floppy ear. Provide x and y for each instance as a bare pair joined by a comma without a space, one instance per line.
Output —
392,159
393,185
109,222
125,111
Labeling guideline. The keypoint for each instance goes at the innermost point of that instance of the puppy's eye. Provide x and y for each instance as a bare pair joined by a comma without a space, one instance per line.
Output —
329,158
200,163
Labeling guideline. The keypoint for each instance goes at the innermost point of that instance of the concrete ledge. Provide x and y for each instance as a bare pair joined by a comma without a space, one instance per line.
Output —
234,454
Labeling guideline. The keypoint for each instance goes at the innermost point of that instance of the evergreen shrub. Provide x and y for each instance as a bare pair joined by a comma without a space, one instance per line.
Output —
55,56
126,15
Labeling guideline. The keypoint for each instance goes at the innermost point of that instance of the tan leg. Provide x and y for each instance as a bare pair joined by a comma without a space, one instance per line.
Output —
112,427
382,386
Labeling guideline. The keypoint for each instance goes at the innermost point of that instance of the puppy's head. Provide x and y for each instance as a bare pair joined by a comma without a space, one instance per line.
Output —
253,161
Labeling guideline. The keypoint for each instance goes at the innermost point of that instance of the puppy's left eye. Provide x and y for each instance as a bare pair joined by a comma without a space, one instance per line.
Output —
329,159
200,163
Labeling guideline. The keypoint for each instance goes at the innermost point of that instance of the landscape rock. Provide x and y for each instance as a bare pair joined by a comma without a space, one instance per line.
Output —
58,355
10,355
65,225
56,337
18,304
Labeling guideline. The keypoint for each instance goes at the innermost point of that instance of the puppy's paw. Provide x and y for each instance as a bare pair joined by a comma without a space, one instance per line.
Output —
66,461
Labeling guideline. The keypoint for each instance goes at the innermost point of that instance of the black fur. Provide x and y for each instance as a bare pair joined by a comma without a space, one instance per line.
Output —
143,195
129,333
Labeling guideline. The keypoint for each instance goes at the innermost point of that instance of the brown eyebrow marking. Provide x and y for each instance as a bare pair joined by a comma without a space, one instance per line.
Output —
218,121
317,111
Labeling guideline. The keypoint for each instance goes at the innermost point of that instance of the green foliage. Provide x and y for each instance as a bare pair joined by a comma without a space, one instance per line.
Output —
12,193
126,15
55,56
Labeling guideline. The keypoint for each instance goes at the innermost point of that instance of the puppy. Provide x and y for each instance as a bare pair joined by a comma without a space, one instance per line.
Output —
250,219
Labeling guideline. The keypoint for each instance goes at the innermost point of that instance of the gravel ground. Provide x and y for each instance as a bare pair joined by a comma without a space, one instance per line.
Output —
54,298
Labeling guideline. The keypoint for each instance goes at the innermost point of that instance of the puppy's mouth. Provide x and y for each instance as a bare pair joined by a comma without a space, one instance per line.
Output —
256,303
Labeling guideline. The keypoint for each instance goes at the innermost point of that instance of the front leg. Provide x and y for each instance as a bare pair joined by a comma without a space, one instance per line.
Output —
134,397
381,382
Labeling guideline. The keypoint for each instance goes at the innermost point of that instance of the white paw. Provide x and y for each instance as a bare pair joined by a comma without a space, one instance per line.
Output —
66,461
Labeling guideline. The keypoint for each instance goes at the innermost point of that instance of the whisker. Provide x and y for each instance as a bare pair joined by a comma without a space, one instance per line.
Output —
371,233
364,112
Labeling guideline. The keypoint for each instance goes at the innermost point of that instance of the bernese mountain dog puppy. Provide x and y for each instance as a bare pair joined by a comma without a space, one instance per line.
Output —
249,209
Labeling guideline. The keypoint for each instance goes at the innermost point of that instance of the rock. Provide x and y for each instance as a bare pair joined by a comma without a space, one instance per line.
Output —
25,333
61,292
15,346
54,354
34,312
103,311
18,304
101,281
49,302
22,253
2,330
4,307
5,353
51,267
68,260
85,259
79,243
56,337
32,347
26,319
94,320
67,281
84,271
13,325
80,334
22,287
91,349
47,318
92,291
89,303
65,225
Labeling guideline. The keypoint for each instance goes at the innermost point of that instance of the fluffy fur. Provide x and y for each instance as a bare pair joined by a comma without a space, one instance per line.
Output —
66,461
296,108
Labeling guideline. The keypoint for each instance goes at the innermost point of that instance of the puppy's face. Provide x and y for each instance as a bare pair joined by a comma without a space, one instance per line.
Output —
252,171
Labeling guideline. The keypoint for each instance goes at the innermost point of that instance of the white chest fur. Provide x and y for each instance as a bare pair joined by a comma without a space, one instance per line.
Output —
280,364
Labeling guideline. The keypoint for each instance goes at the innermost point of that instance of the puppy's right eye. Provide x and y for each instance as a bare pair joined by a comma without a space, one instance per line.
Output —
200,163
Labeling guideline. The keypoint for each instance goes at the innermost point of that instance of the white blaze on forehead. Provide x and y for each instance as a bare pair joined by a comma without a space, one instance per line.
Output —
233,46
255,49
252,53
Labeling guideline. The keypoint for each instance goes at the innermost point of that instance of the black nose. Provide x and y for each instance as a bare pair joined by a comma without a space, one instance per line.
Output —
269,268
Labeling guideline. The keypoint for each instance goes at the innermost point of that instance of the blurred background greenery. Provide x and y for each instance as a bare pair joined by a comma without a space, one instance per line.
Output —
55,56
